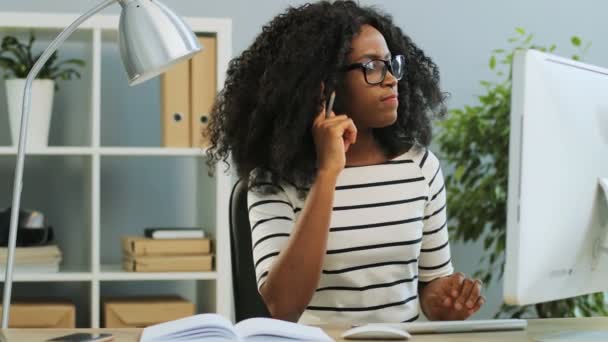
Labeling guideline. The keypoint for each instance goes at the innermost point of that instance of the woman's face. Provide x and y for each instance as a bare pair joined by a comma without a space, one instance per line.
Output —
370,106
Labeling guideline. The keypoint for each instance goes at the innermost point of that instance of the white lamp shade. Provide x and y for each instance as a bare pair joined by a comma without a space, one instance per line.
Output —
152,38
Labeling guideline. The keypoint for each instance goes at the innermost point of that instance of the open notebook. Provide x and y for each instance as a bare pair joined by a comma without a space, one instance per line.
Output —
213,327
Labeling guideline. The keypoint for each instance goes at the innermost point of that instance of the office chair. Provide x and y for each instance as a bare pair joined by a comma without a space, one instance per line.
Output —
247,301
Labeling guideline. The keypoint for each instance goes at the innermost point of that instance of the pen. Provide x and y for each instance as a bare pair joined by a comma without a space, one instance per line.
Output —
330,106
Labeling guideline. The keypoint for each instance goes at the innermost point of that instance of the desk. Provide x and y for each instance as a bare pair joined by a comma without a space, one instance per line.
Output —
536,327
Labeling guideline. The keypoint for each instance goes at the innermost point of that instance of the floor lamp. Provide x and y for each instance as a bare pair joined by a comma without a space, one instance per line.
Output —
152,39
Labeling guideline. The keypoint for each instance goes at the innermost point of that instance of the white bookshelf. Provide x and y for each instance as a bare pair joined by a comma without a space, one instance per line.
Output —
78,180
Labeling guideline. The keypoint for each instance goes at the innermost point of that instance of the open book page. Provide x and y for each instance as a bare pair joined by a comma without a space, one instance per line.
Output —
268,329
198,327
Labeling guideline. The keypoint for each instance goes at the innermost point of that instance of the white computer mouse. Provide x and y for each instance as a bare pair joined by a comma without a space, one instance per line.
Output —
375,332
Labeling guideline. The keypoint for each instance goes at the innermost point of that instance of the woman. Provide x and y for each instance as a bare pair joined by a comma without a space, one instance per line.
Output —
348,208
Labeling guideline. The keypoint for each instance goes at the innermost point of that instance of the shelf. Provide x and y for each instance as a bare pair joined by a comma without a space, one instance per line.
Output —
60,276
49,151
105,174
116,273
151,151
106,151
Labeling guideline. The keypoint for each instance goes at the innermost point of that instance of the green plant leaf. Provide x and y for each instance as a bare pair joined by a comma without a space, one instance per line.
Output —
458,173
485,84
18,54
492,62
528,39
78,62
576,41
66,74
29,47
8,63
520,30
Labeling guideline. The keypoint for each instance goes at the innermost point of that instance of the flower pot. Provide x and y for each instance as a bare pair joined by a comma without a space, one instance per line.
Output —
41,109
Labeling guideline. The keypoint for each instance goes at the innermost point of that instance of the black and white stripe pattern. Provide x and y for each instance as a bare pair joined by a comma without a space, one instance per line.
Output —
388,231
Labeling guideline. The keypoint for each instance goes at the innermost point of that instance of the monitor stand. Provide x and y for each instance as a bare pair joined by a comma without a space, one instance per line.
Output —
600,247
575,336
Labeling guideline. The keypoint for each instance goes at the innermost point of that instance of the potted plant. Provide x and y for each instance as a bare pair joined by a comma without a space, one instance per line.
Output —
475,141
17,60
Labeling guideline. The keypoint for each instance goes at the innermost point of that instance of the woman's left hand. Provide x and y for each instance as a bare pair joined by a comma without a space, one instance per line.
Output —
451,298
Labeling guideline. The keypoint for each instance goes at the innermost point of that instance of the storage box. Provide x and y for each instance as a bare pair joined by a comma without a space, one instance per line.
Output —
188,263
142,246
144,311
47,314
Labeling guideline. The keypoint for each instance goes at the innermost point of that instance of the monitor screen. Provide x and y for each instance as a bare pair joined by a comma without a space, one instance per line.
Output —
557,216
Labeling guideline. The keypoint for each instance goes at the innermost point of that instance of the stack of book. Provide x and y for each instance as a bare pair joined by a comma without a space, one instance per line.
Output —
39,259
146,254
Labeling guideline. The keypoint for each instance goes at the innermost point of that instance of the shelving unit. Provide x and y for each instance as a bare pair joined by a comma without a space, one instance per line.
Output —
105,175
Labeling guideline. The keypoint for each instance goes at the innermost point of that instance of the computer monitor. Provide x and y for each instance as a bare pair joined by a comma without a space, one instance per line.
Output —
557,207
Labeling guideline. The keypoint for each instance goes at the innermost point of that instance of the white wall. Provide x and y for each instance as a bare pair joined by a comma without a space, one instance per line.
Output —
458,35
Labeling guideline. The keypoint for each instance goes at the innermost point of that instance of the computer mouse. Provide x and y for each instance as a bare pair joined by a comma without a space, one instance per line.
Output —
373,332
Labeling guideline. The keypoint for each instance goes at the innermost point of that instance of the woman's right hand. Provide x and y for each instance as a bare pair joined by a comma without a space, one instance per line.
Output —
333,135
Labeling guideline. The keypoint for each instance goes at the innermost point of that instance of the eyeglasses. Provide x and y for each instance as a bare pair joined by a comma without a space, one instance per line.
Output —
375,70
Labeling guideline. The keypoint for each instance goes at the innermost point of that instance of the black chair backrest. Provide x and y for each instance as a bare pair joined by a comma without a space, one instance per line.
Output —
247,300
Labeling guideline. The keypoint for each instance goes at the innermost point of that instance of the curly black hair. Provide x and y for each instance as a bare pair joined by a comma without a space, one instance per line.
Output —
262,118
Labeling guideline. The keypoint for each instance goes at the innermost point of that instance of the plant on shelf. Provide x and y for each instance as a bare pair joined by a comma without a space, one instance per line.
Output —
475,141
17,60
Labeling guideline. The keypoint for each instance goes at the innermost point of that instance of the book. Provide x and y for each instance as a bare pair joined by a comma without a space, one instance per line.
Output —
36,251
50,254
174,233
188,263
142,246
214,327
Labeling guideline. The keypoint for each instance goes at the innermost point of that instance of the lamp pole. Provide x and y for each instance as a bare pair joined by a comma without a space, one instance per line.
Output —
18,179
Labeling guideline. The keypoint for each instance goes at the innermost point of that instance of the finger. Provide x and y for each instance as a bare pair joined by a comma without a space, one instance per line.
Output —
335,123
465,292
475,292
349,139
480,302
336,128
456,284
447,302
350,133
337,119
346,129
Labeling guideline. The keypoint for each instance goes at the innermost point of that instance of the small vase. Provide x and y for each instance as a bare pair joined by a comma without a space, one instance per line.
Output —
41,109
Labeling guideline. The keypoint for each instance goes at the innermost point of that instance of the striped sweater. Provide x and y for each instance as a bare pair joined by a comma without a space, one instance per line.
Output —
388,231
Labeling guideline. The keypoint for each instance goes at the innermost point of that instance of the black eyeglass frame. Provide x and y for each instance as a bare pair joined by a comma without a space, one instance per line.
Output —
387,67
